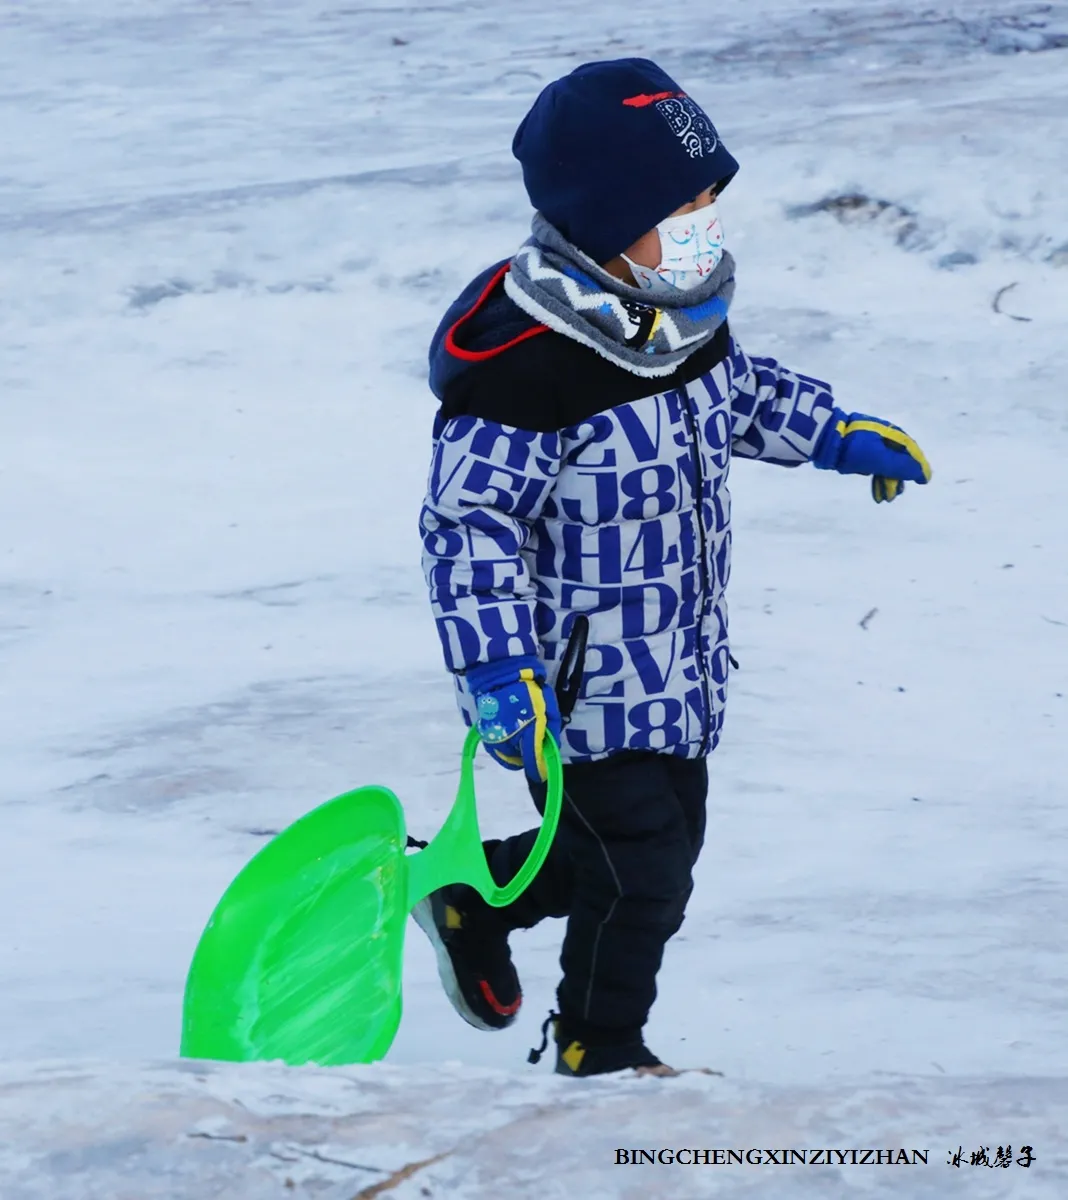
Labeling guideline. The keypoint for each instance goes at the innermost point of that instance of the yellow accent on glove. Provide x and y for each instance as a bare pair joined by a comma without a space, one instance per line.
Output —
889,434
885,489
500,755
537,701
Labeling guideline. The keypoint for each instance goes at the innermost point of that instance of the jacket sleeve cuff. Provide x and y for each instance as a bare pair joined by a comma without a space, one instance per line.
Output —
503,671
829,446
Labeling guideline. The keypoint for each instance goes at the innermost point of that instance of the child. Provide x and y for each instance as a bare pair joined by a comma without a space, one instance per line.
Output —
592,397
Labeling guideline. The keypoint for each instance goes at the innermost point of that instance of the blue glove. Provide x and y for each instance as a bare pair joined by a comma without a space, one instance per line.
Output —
515,709
862,445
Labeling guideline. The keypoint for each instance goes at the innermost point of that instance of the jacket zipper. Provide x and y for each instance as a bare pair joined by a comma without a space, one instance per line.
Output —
706,587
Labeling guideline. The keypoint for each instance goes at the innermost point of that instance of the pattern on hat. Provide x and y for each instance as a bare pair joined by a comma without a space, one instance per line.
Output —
690,125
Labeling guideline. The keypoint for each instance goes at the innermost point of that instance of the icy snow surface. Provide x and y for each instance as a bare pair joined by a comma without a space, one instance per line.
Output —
226,232
203,1130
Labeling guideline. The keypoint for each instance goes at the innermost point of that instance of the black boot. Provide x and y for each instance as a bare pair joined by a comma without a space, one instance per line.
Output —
474,962
587,1051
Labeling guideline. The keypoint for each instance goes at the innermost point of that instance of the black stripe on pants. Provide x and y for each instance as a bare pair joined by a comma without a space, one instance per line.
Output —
620,870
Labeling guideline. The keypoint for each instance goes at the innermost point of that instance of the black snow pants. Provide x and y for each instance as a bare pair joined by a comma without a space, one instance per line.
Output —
619,869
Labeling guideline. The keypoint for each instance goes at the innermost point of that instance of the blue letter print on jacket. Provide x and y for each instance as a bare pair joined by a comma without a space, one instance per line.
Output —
624,517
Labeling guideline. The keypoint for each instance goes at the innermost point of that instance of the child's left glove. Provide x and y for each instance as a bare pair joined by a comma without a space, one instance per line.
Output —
862,445
516,707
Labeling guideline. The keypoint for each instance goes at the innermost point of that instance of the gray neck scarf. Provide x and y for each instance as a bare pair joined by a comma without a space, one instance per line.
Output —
555,283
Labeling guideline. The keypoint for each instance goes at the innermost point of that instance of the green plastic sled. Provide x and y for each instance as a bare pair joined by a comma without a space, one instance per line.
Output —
302,958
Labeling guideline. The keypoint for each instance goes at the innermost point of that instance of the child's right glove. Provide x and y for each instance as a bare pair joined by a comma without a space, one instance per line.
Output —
516,708
862,445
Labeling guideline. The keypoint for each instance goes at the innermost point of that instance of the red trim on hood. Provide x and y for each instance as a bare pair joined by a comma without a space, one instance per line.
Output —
481,355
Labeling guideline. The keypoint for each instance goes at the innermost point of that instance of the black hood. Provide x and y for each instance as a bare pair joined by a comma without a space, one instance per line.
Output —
481,323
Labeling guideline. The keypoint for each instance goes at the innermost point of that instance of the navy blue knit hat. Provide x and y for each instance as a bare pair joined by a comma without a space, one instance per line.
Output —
612,149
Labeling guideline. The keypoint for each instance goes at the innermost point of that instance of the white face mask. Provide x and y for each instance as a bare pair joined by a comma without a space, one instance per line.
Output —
691,246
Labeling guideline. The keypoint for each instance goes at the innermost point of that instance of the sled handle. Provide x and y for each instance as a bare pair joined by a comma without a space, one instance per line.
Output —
456,856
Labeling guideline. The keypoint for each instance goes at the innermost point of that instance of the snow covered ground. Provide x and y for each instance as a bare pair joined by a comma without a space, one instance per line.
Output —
164,1130
227,230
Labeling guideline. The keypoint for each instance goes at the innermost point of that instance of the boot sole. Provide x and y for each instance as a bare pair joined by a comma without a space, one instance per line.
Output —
423,916
663,1071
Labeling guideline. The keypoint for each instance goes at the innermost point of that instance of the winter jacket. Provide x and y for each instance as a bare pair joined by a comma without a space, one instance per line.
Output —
561,483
